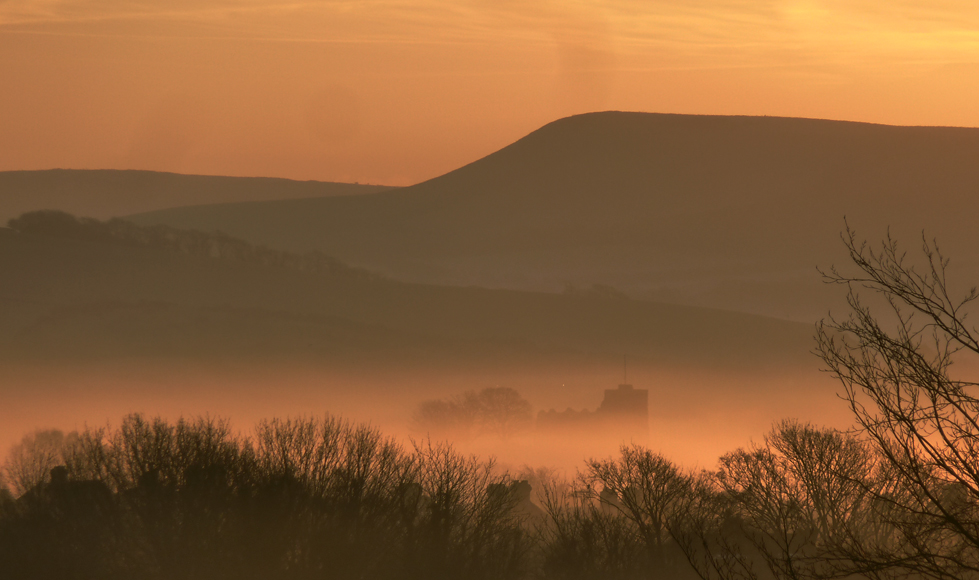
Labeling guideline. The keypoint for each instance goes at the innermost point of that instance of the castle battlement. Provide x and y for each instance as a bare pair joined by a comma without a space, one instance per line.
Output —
623,413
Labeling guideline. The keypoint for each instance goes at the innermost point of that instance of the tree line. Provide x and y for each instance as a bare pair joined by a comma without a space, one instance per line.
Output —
324,498
499,412
302,498
216,245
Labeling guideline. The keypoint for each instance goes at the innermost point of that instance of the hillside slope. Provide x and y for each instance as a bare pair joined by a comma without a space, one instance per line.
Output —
109,193
727,212
52,285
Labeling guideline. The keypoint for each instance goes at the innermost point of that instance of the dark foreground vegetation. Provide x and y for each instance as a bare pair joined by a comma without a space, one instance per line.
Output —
896,497
301,499
328,499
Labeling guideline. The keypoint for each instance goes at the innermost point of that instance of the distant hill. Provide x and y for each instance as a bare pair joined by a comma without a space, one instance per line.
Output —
109,193
69,298
726,212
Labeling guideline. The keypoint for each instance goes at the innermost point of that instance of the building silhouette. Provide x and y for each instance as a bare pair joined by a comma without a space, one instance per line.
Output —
623,415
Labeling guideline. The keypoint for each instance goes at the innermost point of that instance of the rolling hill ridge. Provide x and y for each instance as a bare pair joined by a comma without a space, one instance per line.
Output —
725,212
104,194
81,298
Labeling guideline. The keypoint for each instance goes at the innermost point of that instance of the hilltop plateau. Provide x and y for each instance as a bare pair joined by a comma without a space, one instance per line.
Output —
725,212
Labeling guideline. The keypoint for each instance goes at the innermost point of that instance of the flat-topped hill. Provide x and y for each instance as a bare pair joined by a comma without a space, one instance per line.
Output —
728,212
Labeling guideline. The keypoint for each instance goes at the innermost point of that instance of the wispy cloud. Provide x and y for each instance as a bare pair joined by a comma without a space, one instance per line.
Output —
693,33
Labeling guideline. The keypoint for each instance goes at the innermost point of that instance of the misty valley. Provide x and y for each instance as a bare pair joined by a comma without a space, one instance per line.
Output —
628,345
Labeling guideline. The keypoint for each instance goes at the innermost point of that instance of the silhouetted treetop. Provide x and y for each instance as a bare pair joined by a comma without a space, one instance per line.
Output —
303,498
497,411
52,223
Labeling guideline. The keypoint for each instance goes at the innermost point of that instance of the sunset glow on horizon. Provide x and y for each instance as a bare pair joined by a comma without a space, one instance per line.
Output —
396,92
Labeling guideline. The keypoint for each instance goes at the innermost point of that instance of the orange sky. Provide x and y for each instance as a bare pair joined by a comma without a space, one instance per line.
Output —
397,91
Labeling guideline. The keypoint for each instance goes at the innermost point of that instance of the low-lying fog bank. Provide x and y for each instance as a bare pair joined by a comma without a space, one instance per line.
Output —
693,416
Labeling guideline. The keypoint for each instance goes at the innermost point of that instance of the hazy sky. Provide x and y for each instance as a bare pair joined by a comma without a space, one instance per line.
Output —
397,91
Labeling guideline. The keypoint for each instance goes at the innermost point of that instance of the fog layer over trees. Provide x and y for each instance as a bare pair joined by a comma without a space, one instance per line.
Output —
497,411
895,497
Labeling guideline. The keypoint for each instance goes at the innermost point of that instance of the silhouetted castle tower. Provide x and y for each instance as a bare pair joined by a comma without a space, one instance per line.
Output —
625,412
623,415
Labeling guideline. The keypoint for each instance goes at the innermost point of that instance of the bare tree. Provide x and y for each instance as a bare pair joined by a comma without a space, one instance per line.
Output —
645,488
799,496
29,463
921,420
707,528
585,538
468,527
497,411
